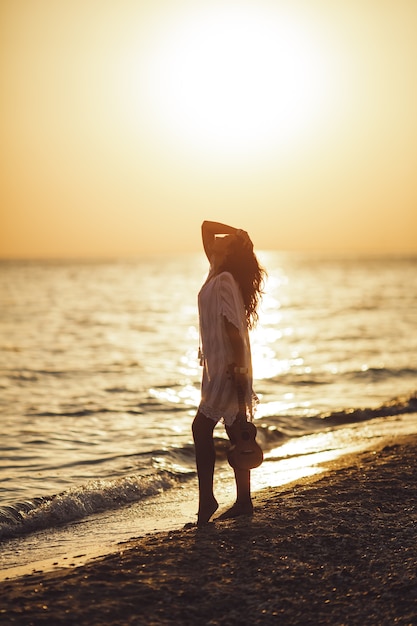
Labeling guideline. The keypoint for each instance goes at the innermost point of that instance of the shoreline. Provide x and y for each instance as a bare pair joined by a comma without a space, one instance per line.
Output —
334,548
304,458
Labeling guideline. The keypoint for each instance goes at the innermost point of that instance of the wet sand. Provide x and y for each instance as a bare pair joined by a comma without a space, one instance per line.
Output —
340,548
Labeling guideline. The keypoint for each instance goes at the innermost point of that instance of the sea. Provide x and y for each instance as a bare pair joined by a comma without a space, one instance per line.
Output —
100,381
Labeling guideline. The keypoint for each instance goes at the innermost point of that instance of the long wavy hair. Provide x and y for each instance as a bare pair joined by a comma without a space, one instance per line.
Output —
242,263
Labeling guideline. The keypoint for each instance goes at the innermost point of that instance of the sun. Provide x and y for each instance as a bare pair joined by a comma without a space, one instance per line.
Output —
231,80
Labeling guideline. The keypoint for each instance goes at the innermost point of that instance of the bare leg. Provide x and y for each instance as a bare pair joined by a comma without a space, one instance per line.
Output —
205,458
243,504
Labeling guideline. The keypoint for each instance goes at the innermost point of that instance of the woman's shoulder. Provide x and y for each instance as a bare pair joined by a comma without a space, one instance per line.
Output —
227,282
225,277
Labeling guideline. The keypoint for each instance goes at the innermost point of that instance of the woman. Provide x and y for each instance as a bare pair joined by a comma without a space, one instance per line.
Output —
228,303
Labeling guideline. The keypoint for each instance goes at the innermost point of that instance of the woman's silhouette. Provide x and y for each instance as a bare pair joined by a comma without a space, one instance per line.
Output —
227,303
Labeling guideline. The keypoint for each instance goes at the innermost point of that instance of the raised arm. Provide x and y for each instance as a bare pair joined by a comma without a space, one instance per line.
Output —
209,230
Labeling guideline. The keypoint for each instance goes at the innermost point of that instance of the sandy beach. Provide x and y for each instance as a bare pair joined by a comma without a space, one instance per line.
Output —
337,549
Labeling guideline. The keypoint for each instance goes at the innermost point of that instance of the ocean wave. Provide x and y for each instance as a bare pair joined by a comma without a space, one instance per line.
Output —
172,466
375,374
143,408
72,412
369,374
274,429
300,378
396,406
79,502
28,375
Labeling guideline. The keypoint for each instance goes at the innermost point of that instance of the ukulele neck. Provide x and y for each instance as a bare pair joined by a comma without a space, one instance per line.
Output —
241,402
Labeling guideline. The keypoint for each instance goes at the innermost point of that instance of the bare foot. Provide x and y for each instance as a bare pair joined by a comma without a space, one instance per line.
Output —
205,511
237,510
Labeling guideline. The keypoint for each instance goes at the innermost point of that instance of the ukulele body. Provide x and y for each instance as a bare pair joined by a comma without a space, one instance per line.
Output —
245,453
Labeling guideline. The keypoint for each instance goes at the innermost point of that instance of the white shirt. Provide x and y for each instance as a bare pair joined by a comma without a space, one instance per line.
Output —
220,298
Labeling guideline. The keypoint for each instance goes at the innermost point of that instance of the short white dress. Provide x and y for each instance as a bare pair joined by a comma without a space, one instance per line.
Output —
220,297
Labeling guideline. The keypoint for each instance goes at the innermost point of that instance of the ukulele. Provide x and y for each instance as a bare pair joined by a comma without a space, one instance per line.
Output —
245,453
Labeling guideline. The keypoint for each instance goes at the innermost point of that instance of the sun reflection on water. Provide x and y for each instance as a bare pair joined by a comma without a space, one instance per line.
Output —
187,395
308,455
302,457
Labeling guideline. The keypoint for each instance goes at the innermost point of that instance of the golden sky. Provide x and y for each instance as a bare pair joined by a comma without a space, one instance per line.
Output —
125,123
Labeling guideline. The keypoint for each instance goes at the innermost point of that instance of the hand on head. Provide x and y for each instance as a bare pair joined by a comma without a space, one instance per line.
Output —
244,238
